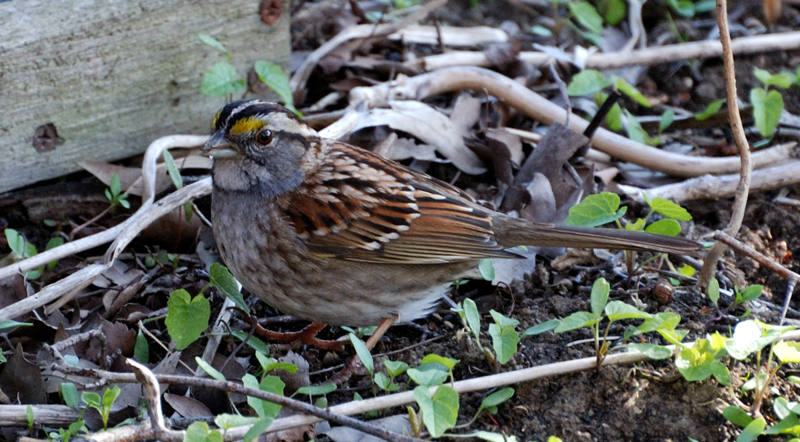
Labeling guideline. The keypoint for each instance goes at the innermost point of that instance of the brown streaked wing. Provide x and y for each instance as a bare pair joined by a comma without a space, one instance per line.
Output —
366,208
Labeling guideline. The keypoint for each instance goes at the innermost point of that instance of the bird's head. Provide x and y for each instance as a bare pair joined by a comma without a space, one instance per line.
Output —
259,146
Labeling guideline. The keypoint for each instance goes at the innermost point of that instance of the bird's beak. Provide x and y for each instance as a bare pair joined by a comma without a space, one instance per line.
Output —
219,147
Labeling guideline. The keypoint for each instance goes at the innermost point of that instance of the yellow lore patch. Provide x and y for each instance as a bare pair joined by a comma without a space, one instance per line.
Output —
250,124
214,121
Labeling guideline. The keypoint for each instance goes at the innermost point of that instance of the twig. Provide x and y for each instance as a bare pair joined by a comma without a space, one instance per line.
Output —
538,108
746,167
612,60
132,226
763,260
319,413
149,172
717,187
153,394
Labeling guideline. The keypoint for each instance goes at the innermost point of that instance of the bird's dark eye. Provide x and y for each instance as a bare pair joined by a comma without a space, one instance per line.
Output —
264,137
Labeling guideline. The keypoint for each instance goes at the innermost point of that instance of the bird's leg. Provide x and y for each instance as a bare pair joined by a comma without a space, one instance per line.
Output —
306,336
340,378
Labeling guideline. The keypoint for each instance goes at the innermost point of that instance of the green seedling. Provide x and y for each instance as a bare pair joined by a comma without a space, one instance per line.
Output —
187,317
601,308
221,80
768,103
102,405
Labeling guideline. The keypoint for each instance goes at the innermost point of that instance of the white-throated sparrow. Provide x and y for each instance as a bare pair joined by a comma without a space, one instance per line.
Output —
332,233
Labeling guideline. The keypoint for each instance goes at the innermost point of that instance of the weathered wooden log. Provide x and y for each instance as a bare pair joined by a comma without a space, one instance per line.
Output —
91,79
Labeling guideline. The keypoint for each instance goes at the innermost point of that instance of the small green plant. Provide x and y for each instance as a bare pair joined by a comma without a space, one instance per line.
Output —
102,405
187,317
768,103
663,323
221,80
22,249
604,208
591,21
503,332
114,193
751,337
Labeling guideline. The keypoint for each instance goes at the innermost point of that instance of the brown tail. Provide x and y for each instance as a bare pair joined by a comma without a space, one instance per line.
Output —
518,232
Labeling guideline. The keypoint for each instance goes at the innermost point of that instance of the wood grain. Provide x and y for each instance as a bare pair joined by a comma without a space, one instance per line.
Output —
113,76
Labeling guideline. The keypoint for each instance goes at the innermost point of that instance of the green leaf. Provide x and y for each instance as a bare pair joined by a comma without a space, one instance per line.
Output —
587,16
221,278
713,290
652,351
595,210
637,226
752,430
115,186
227,421
541,328
503,321
710,110
788,425
69,393
91,399
316,390
496,398
787,351
111,395
631,91
683,8
382,381
10,323
698,362
472,317
686,270
635,130
751,336
767,108
265,410
504,342
395,368
363,353
666,120
577,320
599,297
737,416
172,170
200,432
541,31
253,342
781,407
273,76
751,293
486,267
214,43
448,363
669,209
259,427
221,80
613,11
141,350
16,242
427,375
440,411
660,321
667,227
617,310
587,82
187,318
211,371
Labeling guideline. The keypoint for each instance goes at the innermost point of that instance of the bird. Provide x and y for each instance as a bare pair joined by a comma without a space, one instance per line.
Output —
335,234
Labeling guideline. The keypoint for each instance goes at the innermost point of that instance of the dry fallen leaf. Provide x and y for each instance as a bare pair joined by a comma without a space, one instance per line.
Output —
430,126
